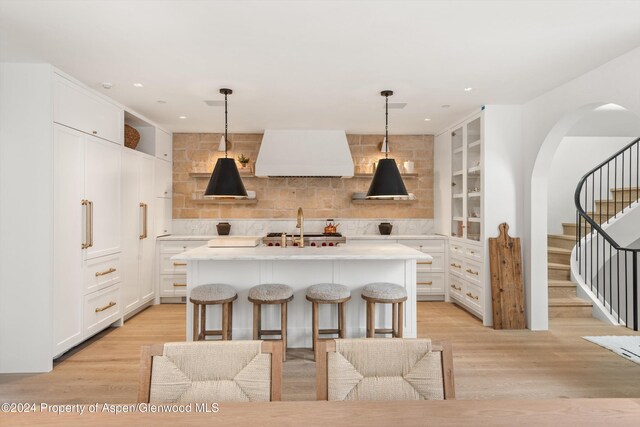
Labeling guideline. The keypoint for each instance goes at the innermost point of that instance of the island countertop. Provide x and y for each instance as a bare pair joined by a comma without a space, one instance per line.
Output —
371,251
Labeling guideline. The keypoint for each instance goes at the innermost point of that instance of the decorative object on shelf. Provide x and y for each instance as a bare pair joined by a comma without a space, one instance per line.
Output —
223,228
385,228
225,180
251,194
409,166
474,212
387,182
131,137
244,161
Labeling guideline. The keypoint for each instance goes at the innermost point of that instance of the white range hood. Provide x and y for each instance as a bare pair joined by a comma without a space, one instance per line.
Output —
317,153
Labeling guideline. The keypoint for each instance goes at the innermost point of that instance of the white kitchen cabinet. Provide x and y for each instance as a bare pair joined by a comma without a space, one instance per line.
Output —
81,109
479,151
164,179
163,214
138,240
172,275
430,275
163,145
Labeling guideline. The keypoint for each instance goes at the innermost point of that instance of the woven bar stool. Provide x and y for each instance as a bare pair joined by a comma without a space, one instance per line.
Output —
328,293
204,295
271,293
385,293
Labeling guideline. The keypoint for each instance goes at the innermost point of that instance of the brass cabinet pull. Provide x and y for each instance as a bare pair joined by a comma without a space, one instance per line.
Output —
104,273
456,288
179,264
145,212
180,284
95,132
85,243
470,295
425,262
454,265
90,203
111,304
471,271
424,283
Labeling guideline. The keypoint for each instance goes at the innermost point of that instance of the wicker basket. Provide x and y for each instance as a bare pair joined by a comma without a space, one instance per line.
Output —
131,137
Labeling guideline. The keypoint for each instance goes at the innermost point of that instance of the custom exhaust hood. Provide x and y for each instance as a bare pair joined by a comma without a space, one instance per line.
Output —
313,153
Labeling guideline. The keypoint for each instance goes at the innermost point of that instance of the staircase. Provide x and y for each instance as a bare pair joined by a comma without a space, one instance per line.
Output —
563,301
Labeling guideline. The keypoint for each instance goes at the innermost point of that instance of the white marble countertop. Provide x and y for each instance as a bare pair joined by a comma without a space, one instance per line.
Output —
371,251
348,236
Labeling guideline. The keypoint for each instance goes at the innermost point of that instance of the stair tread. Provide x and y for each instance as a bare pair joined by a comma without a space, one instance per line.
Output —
562,236
555,250
561,283
625,188
569,302
558,266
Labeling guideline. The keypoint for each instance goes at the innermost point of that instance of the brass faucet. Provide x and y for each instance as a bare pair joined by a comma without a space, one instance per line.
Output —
300,225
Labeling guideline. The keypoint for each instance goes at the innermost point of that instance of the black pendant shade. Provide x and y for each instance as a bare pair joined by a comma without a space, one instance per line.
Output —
387,182
225,180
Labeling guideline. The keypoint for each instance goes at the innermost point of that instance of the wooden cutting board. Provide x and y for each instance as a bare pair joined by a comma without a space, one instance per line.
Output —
507,293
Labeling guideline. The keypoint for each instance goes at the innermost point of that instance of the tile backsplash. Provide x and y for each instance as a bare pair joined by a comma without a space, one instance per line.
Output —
280,197
243,227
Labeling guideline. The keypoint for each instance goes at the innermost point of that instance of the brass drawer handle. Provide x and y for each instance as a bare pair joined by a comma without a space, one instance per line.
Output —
470,295
456,288
111,304
179,264
424,283
104,273
425,262
454,265
471,271
180,284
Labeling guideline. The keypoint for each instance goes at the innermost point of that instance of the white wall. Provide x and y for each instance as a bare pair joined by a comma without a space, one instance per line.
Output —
575,157
546,120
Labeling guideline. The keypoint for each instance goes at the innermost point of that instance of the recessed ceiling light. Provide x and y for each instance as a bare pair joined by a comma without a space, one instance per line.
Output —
427,120
137,84
106,85
445,106
182,117
160,101
468,89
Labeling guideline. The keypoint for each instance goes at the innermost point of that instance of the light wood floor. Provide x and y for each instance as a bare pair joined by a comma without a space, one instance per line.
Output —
488,364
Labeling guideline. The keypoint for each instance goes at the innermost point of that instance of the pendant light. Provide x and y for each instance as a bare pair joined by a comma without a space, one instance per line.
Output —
387,182
225,180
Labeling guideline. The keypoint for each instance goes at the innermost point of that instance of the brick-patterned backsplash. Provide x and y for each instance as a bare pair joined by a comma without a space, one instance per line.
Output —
319,197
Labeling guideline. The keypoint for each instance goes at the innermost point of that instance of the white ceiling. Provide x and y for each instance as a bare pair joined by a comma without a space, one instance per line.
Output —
318,64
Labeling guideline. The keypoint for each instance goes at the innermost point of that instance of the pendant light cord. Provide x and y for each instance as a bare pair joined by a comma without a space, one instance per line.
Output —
225,125
386,127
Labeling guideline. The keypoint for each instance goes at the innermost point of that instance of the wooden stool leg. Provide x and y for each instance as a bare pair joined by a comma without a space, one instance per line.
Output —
283,329
195,321
371,319
400,318
394,317
230,320
342,311
225,321
256,321
203,322
314,325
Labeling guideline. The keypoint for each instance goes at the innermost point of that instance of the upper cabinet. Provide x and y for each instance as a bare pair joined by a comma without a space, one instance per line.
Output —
153,140
76,107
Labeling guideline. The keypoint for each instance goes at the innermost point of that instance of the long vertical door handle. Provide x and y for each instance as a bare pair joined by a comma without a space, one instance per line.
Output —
144,220
90,223
85,240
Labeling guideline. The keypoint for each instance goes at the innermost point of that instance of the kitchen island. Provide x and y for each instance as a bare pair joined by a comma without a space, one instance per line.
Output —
351,265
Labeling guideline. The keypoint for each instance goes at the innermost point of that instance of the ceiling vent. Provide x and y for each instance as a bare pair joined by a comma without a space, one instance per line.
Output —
212,103
397,105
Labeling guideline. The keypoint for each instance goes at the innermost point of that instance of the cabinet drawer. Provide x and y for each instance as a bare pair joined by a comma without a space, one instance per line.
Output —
101,308
78,108
173,285
163,145
424,245
473,252
102,272
456,249
472,271
456,266
430,283
371,241
168,266
473,297
456,288
179,246
435,265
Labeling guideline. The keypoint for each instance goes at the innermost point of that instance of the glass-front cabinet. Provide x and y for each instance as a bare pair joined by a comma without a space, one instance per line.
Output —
466,178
